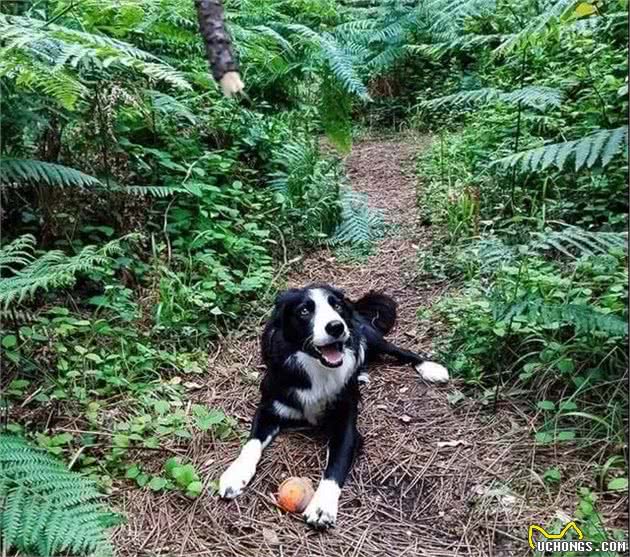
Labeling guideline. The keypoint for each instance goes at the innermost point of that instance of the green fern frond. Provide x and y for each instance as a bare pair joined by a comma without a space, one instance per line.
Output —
485,94
18,253
293,165
461,43
360,225
60,46
32,75
598,148
451,13
342,66
533,96
269,33
386,58
16,172
551,10
171,106
356,27
158,72
47,509
574,242
492,253
53,269
23,32
582,317
339,58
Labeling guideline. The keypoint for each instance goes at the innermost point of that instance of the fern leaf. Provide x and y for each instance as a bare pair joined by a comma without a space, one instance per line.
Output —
360,225
574,241
551,11
46,508
53,269
583,318
600,146
171,106
537,97
616,139
15,172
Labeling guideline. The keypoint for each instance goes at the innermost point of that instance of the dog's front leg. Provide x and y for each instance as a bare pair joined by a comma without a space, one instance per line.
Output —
264,428
344,442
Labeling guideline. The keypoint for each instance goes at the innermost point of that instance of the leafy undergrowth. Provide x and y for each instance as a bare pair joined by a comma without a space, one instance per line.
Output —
523,187
144,214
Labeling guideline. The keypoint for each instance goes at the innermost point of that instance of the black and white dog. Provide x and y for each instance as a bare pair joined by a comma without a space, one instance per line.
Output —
315,347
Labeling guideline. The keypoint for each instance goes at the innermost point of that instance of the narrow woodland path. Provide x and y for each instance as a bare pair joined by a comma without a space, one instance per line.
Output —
433,477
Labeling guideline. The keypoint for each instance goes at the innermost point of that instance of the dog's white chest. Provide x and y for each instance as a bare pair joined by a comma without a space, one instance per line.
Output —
326,383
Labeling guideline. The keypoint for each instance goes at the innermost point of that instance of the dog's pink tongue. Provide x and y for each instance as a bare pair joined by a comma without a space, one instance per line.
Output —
332,354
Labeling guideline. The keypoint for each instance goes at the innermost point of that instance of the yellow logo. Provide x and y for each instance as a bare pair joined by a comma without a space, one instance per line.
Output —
530,535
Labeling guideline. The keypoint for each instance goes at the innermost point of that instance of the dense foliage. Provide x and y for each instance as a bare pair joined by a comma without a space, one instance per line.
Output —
528,181
143,214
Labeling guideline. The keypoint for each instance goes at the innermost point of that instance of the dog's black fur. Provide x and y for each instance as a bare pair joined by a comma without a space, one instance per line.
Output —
298,371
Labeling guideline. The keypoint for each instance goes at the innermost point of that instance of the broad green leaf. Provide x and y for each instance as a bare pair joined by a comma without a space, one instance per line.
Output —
618,484
584,9
157,483
9,341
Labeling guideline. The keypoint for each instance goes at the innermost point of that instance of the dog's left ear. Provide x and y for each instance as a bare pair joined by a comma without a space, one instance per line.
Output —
282,303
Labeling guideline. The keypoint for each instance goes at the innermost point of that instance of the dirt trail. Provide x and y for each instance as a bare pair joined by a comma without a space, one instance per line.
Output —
409,493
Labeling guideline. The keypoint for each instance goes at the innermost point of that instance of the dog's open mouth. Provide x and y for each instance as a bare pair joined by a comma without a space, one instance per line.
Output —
331,355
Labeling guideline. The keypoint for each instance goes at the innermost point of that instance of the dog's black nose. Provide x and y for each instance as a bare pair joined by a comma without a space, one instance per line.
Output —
335,328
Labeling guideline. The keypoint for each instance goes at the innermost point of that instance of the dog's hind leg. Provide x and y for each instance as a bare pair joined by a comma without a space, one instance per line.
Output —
264,429
429,371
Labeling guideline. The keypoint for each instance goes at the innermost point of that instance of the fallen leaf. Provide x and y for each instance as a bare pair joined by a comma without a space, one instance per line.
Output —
270,536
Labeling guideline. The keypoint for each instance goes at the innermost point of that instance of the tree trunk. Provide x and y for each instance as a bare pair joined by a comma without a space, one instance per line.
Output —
217,41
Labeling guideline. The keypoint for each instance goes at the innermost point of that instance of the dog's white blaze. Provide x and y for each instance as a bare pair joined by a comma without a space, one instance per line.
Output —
322,510
287,412
326,382
430,371
324,314
242,470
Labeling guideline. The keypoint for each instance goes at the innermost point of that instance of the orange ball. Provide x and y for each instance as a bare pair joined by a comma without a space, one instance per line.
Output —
294,494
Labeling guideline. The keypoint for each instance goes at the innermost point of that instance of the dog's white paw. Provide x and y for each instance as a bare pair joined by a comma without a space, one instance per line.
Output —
241,471
363,378
432,372
322,510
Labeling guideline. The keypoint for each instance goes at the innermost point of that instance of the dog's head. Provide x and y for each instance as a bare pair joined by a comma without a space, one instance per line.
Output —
317,319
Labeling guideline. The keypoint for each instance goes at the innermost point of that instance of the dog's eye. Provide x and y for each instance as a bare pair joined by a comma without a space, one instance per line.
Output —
304,312
336,306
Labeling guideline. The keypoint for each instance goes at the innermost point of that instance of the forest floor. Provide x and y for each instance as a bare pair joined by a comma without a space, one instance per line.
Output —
440,475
